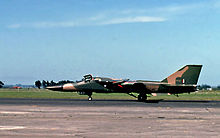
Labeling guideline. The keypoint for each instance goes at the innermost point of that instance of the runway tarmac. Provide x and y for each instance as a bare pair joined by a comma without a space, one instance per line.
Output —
104,102
108,118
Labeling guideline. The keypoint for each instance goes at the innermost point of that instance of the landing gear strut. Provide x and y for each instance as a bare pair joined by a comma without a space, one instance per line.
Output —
142,97
90,99
90,96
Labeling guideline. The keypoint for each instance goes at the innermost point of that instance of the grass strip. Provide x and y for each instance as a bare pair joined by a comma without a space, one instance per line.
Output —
42,93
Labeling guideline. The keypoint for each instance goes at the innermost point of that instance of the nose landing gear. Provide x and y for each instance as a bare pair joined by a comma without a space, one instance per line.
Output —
90,99
90,96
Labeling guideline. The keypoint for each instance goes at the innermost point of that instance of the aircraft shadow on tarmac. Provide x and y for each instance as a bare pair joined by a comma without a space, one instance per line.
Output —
156,101
160,100
148,101
180,101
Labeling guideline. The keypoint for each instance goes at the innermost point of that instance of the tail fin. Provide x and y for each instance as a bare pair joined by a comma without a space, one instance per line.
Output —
189,74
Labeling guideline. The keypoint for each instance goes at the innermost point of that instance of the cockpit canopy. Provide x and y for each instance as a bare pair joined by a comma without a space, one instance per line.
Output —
87,77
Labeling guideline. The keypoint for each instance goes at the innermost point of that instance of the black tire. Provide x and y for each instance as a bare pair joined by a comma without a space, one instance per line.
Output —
142,97
139,98
90,99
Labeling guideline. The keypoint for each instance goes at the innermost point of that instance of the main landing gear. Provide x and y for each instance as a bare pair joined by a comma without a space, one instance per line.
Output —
142,97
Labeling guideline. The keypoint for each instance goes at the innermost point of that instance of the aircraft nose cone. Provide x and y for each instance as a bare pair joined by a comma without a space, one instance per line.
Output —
55,88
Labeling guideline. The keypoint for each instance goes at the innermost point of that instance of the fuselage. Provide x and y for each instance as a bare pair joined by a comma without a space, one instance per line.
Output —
183,80
108,85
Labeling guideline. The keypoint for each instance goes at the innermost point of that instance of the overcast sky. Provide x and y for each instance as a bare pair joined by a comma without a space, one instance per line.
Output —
142,39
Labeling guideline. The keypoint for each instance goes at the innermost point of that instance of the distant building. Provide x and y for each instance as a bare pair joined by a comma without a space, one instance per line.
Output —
16,87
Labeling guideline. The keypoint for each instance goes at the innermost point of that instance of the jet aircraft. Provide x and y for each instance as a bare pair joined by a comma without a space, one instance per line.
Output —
183,81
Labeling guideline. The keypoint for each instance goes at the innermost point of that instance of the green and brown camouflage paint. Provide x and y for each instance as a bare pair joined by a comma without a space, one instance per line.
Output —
184,80
186,75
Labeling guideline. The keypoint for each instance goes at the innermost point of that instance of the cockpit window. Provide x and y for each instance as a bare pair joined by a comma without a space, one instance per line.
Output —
87,77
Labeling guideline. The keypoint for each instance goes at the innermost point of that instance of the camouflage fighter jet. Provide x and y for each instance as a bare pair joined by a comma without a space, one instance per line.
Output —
182,81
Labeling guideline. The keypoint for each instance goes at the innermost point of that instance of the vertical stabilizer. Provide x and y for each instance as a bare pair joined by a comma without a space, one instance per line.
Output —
189,74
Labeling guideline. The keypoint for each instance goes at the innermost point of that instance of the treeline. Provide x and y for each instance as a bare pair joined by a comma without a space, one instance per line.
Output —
43,84
208,87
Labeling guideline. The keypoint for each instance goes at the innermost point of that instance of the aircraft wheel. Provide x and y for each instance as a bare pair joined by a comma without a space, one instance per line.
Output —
142,97
90,99
90,96
139,98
